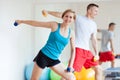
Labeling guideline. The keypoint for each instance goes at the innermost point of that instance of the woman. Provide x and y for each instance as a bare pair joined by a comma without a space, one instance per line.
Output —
59,37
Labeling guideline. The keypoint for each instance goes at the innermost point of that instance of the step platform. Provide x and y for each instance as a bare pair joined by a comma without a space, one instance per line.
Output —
112,73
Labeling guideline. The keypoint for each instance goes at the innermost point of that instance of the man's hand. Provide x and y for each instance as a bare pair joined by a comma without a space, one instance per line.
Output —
96,58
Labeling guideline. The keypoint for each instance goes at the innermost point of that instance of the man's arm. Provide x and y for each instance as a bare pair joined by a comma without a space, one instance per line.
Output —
111,45
111,42
99,30
53,13
94,43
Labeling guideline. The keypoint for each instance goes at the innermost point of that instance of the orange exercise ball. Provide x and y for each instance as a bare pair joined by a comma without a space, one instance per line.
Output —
85,74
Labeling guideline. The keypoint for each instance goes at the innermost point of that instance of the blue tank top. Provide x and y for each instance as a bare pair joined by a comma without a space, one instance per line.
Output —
55,44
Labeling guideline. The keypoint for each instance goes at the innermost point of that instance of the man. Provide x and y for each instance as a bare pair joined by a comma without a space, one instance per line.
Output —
85,30
107,48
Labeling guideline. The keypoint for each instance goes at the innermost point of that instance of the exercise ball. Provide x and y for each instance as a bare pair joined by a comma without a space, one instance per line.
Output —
54,76
85,74
28,72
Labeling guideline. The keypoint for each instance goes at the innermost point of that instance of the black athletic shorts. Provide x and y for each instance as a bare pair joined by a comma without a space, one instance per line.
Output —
44,61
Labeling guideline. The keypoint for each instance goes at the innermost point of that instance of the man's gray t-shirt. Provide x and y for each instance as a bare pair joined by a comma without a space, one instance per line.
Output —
106,37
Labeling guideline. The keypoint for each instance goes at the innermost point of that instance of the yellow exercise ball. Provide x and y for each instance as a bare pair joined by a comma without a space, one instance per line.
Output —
85,74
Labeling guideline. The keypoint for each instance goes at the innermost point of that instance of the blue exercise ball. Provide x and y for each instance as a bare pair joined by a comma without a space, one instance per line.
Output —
28,72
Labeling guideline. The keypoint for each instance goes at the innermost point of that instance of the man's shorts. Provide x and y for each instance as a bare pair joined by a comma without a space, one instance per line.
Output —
83,58
106,56
43,61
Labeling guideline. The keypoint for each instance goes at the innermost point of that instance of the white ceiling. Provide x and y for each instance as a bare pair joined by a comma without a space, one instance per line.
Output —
71,1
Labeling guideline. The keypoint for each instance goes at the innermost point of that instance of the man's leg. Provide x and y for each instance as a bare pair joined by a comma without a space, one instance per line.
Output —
90,63
100,62
113,63
98,72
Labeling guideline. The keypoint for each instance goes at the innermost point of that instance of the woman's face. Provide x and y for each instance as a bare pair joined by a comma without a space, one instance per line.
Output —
68,17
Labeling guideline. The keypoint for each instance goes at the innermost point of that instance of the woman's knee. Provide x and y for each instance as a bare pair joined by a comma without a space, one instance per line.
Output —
71,77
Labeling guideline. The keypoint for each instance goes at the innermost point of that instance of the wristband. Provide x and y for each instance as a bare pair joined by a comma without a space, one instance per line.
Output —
68,69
